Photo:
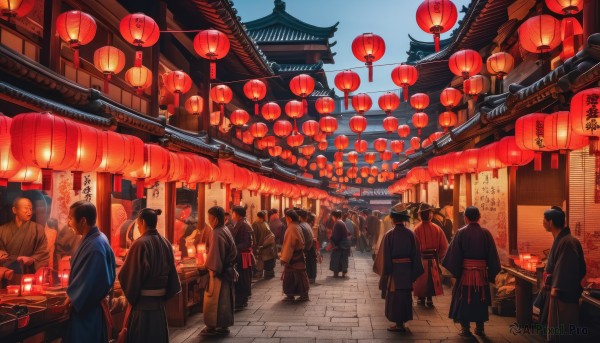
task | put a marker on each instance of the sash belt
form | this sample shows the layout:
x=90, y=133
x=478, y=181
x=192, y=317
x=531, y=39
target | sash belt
x=401, y=260
x=153, y=292
x=474, y=275
x=246, y=260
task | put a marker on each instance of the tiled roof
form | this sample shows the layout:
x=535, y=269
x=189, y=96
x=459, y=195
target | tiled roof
x=288, y=68
x=419, y=50
x=281, y=33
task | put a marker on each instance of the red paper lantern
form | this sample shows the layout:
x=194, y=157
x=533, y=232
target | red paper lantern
x=358, y=124
x=419, y=101
x=511, y=155
x=529, y=134
x=221, y=94
x=540, y=34
x=352, y=172
x=139, y=78
x=465, y=63
x=328, y=124
x=500, y=64
x=488, y=159
x=294, y=109
x=9, y=166
x=15, y=8
x=415, y=143
x=352, y=157
x=177, y=82
x=215, y=119
x=141, y=31
x=435, y=136
x=270, y=111
x=403, y=131
x=325, y=105
x=76, y=28
x=571, y=34
x=425, y=143
x=110, y=61
x=239, y=118
x=467, y=161
x=27, y=175
x=310, y=128
x=386, y=155
x=420, y=120
x=120, y=154
x=585, y=109
x=397, y=146
x=90, y=147
x=247, y=137
x=338, y=156
x=212, y=45
x=369, y=157
x=404, y=76
x=46, y=141
x=435, y=17
x=361, y=146
x=302, y=85
x=307, y=150
x=368, y=48
x=255, y=90
x=312, y=166
x=295, y=140
x=341, y=142
x=388, y=102
x=447, y=120
x=559, y=133
x=156, y=166
x=285, y=154
x=365, y=171
x=380, y=144
x=374, y=171
x=390, y=124
x=267, y=142
x=565, y=7
x=282, y=128
x=418, y=175
x=258, y=130
x=362, y=103
x=476, y=85
x=347, y=81
x=321, y=161
x=450, y=97
x=320, y=137
x=195, y=105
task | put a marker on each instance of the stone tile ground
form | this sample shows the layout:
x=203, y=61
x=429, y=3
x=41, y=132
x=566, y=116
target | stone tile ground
x=340, y=310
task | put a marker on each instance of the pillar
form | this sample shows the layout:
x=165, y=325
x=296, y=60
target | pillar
x=227, y=197
x=103, y=202
x=591, y=18
x=201, y=204
x=160, y=16
x=170, y=202
x=456, y=204
x=50, y=52
x=468, y=189
x=512, y=210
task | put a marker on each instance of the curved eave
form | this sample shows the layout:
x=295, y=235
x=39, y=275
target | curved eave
x=281, y=17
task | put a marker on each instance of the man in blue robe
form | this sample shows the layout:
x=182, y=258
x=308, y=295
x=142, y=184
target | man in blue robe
x=91, y=278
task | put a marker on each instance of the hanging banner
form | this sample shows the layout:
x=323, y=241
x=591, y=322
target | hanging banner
x=155, y=199
x=63, y=195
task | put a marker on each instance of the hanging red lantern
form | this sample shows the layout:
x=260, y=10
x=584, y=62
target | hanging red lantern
x=409, y=151
x=247, y=137
x=450, y=97
x=258, y=130
x=282, y=128
x=294, y=109
x=295, y=140
x=436, y=17
x=405, y=76
x=110, y=61
x=352, y=157
x=27, y=175
x=420, y=120
x=365, y=171
x=369, y=157
x=156, y=162
x=467, y=161
x=310, y=128
x=239, y=118
x=321, y=161
x=388, y=103
x=268, y=142
x=374, y=171
x=338, y=156
x=139, y=78
x=270, y=111
x=511, y=155
x=540, y=34
x=419, y=101
x=418, y=175
x=386, y=155
x=361, y=146
x=328, y=125
x=403, y=131
x=585, y=109
x=302, y=86
x=307, y=150
x=255, y=90
x=90, y=147
x=221, y=94
x=352, y=172
x=347, y=81
x=215, y=118
x=194, y=105
x=380, y=144
x=120, y=154
x=415, y=143
x=465, y=63
x=476, y=85
x=447, y=120
x=500, y=64
x=488, y=159
x=177, y=82
x=76, y=28
x=212, y=45
x=529, y=134
x=368, y=48
x=565, y=7
x=285, y=154
x=358, y=124
x=312, y=166
x=341, y=142
x=390, y=124
x=9, y=166
x=559, y=133
x=397, y=146
x=325, y=105
x=425, y=143
x=571, y=34
x=141, y=31
x=15, y=8
x=320, y=137
x=339, y=172
x=362, y=103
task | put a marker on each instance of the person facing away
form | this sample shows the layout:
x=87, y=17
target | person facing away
x=473, y=259
x=242, y=235
x=265, y=250
x=23, y=240
x=401, y=267
x=310, y=251
x=218, y=305
x=149, y=278
x=91, y=278
x=295, y=279
x=341, y=246
x=565, y=268
x=433, y=247
x=276, y=226
x=350, y=226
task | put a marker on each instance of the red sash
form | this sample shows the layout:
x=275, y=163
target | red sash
x=246, y=260
x=401, y=260
x=474, y=275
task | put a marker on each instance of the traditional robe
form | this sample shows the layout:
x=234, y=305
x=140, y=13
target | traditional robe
x=373, y=225
x=265, y=250
x=28, y=240
x=401, y=267
x=341, y=248
x=242, y=235
x=66, y=242
x=219, y=295
x=276, y=226
x=91, y=278
x=433, y=247
x=564, y=271
x=361, y=241
x=295, y=279
x=473, y=260
x=148, y=279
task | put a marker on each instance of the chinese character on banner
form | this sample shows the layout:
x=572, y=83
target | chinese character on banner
x=156, y=200
x=63, y=195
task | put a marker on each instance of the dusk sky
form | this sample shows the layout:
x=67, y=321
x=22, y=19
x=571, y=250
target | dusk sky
x=393, y=20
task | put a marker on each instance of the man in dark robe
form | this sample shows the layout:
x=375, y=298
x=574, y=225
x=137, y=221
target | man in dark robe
x=218, y=305
x=373, y=225
x=149, y=278
x=295, y=280
x=23, y=240
x=242, y=235
x=559, y=299
x=91, y=278
x=401, y=267
x=473, y=260
x=341, y=246
x=362, y=244
x=264, y=247
x=276, y=226
x=310, y=251
x=433, y=247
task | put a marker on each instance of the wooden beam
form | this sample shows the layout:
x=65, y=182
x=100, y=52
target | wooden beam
x=170, y=202
x=103, y=202
x=512, y=210
x=50, y=51
x=201, y=204
x=159, y=14
x=468, y=189
x=456, y=204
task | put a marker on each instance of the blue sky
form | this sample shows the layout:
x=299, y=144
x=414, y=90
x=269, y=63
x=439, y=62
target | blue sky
x=391, y=19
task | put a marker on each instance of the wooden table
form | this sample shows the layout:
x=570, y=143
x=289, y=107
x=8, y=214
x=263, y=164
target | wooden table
x=524, y=287
x=190, y=298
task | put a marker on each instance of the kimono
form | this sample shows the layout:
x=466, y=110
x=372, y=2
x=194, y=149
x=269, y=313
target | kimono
x=373, y=225
x=91, y=278
x=564, y=271
x=433, y=247
x=401, y=267
x=341, y=248
x=310, y=251
x=217, y=307
x=148, y=279
x=264, y=248
x=242, y=235
x=28, y=240
x=295, y=279
x=473, y=260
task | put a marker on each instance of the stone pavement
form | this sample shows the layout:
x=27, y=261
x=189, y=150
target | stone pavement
x=339, y=310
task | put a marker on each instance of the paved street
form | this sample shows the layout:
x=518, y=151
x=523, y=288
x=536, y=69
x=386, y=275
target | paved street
x=340, y=310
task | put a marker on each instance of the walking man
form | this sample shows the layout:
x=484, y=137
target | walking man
x=242, y=235
x=295, y=280
x=310, y=250
x=341, y=246
x=265, y=250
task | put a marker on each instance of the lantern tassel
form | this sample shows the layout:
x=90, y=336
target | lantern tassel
x=139, y=188
x=106, y=79
x=213, y=70
x=419, y=132
x=405, y=92
x=346, y=100
x=75, y=58
x=117, y=183
x=370, y=67
x=76, y=180
x=436, y=40
x=537, y=161
x=3, y=182
x=256, y=108
x=46, y=179
x=138, y=58
x=176, y=102
x=554, y=161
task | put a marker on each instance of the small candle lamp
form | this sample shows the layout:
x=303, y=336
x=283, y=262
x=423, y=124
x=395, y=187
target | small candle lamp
x=64, y=277
x=191, y=251
x=27, y=284
x=13, y=290
x=201, y=254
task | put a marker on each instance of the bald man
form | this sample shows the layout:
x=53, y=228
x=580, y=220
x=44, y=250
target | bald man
x=23, y=240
